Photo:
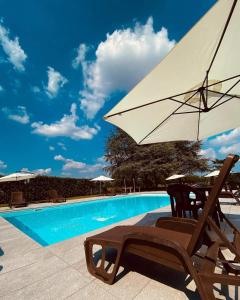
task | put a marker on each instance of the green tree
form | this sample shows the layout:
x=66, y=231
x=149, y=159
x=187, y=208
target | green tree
x=149, y=165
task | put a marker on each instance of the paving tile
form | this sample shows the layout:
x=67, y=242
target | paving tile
x=18, y=246
x=62, y=247
x=4, y=223
x=91, y=292
x=13, y=262
x=156, y=290
x=81, y=267
x=126, y=287
x=9, y=233
x=69, y=254
x=58, y=286
x=27, y=275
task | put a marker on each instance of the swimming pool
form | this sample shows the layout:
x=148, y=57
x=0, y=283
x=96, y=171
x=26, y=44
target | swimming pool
x=53, y=224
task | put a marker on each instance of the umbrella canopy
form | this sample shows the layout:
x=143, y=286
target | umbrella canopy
x=18, y=176
x=175, y=176
x=102, y=178
x=213, y=174
x=194, y=92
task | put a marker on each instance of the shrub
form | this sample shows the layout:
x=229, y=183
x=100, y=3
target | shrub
x=36, y=189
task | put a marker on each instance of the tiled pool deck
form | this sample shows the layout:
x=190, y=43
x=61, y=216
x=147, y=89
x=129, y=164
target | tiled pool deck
x=30, y=271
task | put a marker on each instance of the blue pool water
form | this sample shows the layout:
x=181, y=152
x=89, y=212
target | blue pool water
x=54, y=224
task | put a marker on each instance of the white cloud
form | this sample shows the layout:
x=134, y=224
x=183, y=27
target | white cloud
x=59, y=157
x=66, y=126
x=55, y=82
x=235, y=148
x=81, y=54
x=35, y=89
x=101, y=159
x=208, y=153
x=62, y=145
x=70, y=164
x=43, y=171
x=51, y=148
x=81, y=167
x=2, y=165
x=123, y=59
x=38, y=171
x=15, y=54
x=19, y=114
x=226, y=137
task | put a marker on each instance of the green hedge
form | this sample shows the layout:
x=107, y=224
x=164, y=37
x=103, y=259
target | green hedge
x=36, y=189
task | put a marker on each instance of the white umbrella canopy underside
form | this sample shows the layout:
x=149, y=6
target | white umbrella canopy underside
x=165, y=105
x=102, y=178
x=18, y=176
x=213, y=173
x=175, y=176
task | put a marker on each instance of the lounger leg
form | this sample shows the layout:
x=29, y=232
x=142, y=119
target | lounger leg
x=100, y=272
x=203, y=289
x=208, y=290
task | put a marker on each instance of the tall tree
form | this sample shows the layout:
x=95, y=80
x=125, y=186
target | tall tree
x=150, y=164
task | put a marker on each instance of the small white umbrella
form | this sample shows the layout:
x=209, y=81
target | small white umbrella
x=101, y=179
x=18, y=176
x=213, y=174
x=175, y=176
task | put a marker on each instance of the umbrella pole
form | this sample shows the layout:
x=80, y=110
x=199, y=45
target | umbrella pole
x=125, y=188
x=134, y=185
x=100, y=187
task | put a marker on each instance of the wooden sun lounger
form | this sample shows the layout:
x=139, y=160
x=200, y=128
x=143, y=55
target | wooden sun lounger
x=17, y=199
x=54, y=197
x=173, y=242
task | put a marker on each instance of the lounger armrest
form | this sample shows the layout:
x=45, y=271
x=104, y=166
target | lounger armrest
x=155, y=240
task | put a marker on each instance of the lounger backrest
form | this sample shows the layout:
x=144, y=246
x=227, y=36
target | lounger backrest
x=210, y=204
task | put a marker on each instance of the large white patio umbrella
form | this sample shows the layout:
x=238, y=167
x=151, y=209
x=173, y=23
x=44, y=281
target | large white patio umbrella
x=101, y=179
x=194, y=92
x=18, y=176
x=175, y=176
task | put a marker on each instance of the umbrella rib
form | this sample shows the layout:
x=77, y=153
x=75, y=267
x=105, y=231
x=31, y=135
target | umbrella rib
x=167, y=98
x=224, y=94
x=187, y=104
x=168, y=117
x=224, y=80
x=186, y=112
x=224, y=102
x=153, y=102
x=221, y=39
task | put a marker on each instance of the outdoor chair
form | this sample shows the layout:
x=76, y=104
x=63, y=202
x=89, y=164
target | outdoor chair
x=189, y=199
x=17, y=199
x=173, y=242
x=183, y=199
x=54, y=197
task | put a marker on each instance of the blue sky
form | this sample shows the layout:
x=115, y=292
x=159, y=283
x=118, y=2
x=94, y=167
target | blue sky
x=64, y=64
